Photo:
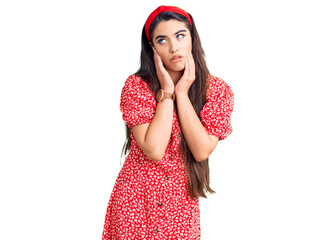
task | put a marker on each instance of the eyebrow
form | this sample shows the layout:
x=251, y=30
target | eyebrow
x=163, y=36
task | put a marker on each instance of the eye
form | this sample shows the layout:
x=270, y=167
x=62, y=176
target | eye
x=180, y=36
x=161, y=41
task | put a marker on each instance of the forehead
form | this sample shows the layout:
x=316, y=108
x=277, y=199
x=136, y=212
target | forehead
x=169, y=27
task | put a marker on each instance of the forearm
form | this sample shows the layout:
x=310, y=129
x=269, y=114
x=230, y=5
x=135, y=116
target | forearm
x=159, y=130
x=197, y=138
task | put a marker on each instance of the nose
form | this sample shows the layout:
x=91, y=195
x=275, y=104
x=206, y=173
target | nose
x=173, y=46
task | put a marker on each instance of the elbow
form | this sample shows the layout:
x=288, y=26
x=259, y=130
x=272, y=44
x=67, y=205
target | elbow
x=155, y=156
x=153, y=153
x=201, y=158
x=203, y=152
x=206, y=152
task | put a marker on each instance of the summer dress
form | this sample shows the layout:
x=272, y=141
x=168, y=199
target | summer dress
x=150, y=199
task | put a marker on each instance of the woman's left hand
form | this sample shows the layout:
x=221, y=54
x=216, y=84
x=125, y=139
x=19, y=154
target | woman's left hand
x=188, y=76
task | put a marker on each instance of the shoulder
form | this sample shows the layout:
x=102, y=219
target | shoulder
x=135, y=81
x=136, y=87
x=217, y=86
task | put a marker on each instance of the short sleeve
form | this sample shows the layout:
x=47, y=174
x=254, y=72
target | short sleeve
x=137, y=102
x=216, y=112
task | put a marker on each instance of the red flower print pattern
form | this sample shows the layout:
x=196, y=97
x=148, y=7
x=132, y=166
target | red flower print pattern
x=150, y=199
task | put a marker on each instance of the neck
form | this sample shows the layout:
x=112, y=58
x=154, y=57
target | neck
x=175, y=76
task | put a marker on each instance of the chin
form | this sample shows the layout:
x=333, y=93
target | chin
x=177, y=67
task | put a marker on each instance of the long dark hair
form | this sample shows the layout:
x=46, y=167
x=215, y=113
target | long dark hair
x=198, y=172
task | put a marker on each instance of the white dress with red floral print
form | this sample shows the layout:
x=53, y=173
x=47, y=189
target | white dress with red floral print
x=150, y=199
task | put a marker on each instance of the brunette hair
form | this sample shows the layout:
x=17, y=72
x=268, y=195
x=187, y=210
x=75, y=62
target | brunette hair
x=198, y=172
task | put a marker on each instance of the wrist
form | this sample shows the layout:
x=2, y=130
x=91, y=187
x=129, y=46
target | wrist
x=181, y=93
x=169, y=90
x=164, y=94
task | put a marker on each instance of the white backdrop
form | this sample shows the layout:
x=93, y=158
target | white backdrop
x=63, y=64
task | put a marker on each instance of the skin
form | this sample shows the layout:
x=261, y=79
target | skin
x=171, y=38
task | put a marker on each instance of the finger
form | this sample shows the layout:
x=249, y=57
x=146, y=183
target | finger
x=192, y=63
x=187, y=66
x=157, y=59
x=186, y=69
x=191, y=59
x=160, y=69
x=154, y=53
x=154, y=50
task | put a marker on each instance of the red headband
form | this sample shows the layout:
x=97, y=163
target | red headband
x=161, y=9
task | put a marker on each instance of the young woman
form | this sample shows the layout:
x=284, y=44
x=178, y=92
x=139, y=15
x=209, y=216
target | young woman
x=175, y=113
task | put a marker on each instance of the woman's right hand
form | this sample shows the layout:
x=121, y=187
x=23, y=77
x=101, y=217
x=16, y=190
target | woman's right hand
x=165, y=80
